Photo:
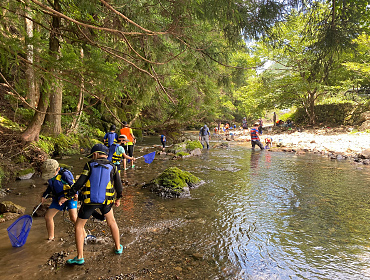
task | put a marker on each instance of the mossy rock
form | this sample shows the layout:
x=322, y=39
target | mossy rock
x=192, y=145
x=177, y=148
x=173, y=182
x=185, y=147
x=25, y=174
x=182, y=154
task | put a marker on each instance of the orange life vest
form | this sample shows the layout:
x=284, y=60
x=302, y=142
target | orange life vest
x=126, y=131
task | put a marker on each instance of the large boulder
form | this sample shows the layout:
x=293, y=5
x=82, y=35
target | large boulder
x=185, y=148
x=173, y=183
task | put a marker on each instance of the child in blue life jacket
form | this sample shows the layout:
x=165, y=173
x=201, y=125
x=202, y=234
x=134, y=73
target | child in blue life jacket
x=163, y=141
x=59, y=180
x=111, y=136
x=103, y=188
x=117, y=152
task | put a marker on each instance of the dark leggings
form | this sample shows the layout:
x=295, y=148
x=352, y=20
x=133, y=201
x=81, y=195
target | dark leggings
x=129, y=150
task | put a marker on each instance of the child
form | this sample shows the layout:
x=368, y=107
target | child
x=102, y=182
x=59, y=179
x=111, y=136
x=255, y=140
x=268, y=142
x=163, y=141
x=131, y=140
x=117, y=152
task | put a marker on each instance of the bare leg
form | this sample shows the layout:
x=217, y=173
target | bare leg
x=73, y=217
x=49, y=219
x=111, y=221
x=79, y=235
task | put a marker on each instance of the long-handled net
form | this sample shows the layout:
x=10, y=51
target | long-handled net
x=18, y=231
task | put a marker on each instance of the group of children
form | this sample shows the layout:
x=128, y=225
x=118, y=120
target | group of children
x=98, y=187
x=126, y=139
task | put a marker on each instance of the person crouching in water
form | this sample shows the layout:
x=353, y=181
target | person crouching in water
x=117, y=152
x=255, y=140
x=101, y=180
x=59, y=180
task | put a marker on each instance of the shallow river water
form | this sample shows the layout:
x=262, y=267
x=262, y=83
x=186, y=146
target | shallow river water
x=259, y=215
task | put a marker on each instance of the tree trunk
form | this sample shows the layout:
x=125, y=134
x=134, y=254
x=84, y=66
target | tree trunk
x=32, y=131
x=30, y=73
x=310, y=107
x=80, y=104
x=53, y=121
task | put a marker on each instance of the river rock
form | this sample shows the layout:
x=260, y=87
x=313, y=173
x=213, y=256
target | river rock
x=26, y=176
x=196, y=152
x=365, y=116
x=41, y=211
x=173, y=183
x=10, y=216
x=8, y=206
x=365, y=154
x=365, y=126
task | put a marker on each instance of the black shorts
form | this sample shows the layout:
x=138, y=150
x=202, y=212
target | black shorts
x=129, y=150
x=86, y=210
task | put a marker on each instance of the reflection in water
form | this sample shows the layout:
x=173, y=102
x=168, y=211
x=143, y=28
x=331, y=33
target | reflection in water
x=260, y=215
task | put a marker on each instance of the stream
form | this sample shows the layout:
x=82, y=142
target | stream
x=259, y=215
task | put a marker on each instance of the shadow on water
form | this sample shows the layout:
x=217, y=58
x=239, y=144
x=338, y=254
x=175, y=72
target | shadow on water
x=260, y=215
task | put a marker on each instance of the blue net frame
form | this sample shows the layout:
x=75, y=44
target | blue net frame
x=18, y=231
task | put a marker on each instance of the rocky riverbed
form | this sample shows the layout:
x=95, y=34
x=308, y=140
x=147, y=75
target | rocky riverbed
x=336, y=143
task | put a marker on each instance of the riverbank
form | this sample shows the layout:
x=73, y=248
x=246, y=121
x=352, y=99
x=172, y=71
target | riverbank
x=336, y=143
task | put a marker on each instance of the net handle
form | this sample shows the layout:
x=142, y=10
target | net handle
x=38, y=206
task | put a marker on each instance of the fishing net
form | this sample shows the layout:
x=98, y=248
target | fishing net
x=18, y=231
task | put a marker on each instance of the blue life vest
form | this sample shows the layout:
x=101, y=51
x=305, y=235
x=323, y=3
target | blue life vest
x=111, y=138
x=61, y=182
x=112, y=156
x=99, y=187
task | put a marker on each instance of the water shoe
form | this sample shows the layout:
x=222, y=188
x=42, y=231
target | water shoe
x=119, y=251
x=76, y=261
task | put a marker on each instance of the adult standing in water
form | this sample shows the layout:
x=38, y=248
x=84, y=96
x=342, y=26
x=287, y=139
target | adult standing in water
x=131, y=140
x=204, y=136
x=260, y=122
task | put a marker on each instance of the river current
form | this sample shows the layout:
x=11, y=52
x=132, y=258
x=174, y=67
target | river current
x=259, y=215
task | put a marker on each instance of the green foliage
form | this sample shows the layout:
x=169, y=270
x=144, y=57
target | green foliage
x=63, y=144
x=46, y=144
x=329, y=114
x=175, y=178
x=288, y=116
x=5, y=122
x=172, y=67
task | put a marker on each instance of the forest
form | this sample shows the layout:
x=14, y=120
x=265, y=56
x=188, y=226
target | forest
x=75, y=67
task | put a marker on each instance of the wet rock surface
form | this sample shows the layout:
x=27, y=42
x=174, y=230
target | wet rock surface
x=173, y=183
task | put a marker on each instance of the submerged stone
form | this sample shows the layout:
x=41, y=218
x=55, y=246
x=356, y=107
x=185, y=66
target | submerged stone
x=173, y=182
